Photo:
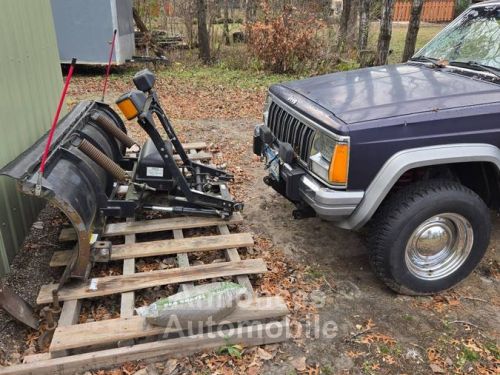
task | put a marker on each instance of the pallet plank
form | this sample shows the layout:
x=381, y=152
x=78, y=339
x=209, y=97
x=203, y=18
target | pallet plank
x=103, y=286
x=36, y=357
x=232, y=254
x=160, y=225
x=127, y=302
x=194, y=146
x=166, y=247
x=109, y=331
x=156, y=225
x=182, y=260
x=70, y=313
x=199, y=156
x=260, y=334
x=67, y=235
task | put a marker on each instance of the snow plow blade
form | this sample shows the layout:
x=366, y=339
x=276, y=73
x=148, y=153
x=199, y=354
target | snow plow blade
x=17, y=307
x=72, y=181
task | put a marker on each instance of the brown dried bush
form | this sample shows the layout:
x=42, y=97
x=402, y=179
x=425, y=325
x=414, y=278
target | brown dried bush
x=283, y=43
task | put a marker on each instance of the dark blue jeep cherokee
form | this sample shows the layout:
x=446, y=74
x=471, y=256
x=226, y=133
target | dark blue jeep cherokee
x=412, y=150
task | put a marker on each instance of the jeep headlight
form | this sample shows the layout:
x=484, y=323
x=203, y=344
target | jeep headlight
x=329, y=159
x=267, y=105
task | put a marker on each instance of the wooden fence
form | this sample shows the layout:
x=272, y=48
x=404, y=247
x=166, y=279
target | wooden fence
x=434, y=10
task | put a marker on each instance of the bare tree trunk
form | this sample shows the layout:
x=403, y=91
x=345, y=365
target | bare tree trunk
x=148, y=37
x=344, y=24
x=203, y=39
x=413, y=28
x=226, y=23
x=138, y=21
x=385, y=35
x=364, y=24
x=352, y=30
x=251, y=11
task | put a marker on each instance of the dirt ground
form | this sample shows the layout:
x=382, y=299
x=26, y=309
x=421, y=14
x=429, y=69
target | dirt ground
x=376, y=331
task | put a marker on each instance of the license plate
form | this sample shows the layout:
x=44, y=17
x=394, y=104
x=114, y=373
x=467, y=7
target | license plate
x=274, y=167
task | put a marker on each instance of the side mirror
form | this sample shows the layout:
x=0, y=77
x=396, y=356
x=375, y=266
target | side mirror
x=144, y=80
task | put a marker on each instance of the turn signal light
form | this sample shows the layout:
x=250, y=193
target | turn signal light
x=128, y=109
x=132, y=104
x=339, y=165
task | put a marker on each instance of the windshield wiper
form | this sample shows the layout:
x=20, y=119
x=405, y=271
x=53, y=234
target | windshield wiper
x=428, y=59
x=477, y=66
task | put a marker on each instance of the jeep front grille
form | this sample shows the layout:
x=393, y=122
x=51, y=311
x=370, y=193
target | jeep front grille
x=286, y=128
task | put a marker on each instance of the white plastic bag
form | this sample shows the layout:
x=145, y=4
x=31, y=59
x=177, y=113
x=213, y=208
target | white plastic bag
x=205, y=302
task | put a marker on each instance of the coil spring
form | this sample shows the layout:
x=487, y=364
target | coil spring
x=109, y=126
x=103, y=161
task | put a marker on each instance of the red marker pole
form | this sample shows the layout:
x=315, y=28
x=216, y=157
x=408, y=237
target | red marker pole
x=108, y=69
x=38, y=188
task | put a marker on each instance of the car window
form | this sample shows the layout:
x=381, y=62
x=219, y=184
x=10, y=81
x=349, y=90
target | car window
x=475, y=37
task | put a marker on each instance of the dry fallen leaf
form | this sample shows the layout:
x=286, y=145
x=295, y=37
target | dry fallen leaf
x=436, y=369
x=264, y=354
x=378, y=337
x=253, y=371
x=299, y=363
x=170, y=366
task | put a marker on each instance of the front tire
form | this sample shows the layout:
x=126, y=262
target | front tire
x=429, y=236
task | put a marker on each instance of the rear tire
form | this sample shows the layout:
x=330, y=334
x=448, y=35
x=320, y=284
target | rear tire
x=429, y=236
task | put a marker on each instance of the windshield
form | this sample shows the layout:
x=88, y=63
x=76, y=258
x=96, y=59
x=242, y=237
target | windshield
x=474, y=37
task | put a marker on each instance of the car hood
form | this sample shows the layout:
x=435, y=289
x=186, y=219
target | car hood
x=392, y=91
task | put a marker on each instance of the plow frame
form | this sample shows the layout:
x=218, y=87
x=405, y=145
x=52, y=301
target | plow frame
x=193, y=196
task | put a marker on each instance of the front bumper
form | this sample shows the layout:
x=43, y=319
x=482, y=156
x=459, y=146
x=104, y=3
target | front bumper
x=328, y=203
x=300, y=187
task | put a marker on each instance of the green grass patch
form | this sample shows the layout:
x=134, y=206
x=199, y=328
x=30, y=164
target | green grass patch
x=493, y=349
x=234, y=351
x=327, y=370
x=425, y=34
x=220, y=75
x=314, y=273
x=467, y=355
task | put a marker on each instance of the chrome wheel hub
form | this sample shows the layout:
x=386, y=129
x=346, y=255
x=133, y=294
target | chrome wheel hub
x=439, y=246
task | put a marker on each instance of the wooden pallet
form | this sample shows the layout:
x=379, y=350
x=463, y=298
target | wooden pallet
x=196, y=152
x=81, y=347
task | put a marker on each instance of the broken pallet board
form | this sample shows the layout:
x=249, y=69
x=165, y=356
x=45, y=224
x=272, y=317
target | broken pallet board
x=166, y=247
x=103, y=286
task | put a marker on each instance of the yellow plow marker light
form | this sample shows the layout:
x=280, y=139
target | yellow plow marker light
x=128, y=108
x=339, y=165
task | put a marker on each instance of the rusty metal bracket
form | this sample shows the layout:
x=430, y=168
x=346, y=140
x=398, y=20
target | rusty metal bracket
x=101, y=251
x=56, y=306
x=46, y=337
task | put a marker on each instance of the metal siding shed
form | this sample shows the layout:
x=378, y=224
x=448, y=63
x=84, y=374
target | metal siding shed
x=30, y=82
x=85, y=28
